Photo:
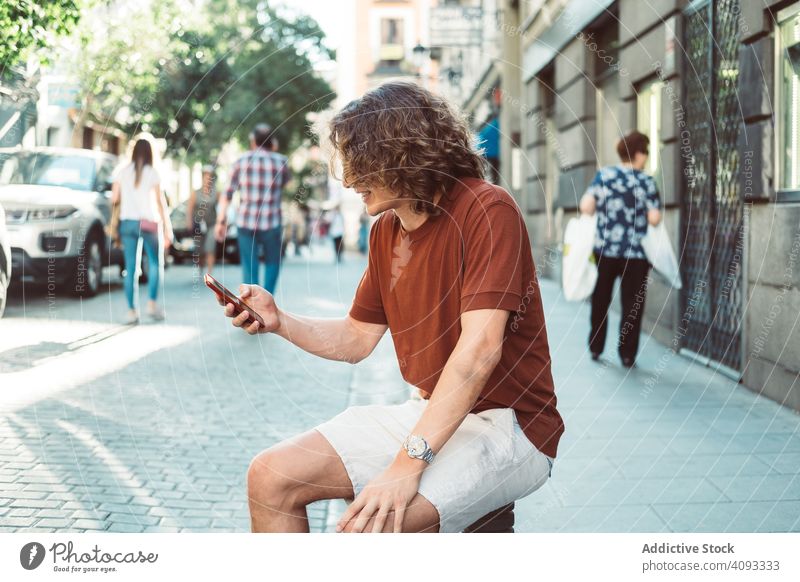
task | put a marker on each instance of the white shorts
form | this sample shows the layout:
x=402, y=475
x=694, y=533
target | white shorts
x=486, y=464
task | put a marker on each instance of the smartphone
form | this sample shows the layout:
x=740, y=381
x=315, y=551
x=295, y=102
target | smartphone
x=228, y=296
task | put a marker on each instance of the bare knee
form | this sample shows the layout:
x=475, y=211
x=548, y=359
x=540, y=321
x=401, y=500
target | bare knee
x=270, y=481
x=297, y=472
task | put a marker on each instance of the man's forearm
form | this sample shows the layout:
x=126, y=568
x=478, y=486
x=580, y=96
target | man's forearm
x=457, y=390
x=333, y=339
x=222, y=215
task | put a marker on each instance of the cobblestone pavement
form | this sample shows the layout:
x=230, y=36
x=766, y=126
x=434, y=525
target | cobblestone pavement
x=110, y=428
x=152, y=428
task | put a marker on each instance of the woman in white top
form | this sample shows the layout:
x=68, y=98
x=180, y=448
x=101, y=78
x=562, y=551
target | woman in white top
x=144, y=221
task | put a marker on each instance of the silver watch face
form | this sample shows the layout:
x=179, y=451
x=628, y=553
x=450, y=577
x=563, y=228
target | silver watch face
x=416, y=446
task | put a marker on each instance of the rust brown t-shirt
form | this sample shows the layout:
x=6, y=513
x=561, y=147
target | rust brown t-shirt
x=474, y=255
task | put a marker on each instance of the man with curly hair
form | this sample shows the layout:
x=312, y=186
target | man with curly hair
x=450, y=274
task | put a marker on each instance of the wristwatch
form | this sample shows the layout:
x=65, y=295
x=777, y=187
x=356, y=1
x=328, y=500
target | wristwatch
x=417, y=448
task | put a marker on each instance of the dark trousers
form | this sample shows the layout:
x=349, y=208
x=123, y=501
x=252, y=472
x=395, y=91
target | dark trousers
x=633, y=289
x=338, y=247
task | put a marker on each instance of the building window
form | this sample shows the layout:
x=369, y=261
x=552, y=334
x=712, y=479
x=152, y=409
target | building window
x=52, y=136
x=789, y=100
x=648, y=120
x=603, y=43
x=552, y=150
x=392, y=50
x=88, y=138
x=391, y=31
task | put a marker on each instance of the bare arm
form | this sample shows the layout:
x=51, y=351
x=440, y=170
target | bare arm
x=345, y=339
x=221, y=227
x=116, y=195
x=654, y=216
x=222, y=211
x=190, y=209
x=588, y=204
x=166, y=223
x=465, y=374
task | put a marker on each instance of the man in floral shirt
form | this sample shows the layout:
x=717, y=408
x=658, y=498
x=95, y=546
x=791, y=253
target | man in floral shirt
x=626, y=201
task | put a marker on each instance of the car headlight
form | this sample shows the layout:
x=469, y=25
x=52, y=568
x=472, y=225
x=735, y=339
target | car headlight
x=51, y=213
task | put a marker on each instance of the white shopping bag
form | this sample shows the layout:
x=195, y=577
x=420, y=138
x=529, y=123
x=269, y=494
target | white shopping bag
x=579, y=272
x=658, y=250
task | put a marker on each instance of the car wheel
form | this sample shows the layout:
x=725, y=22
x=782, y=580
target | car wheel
x=232, y=253
x=88, y=279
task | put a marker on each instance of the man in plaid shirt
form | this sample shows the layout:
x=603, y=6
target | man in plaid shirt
x=259, y=176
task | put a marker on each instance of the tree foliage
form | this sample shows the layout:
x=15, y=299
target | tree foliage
x=26, y=25
x=202, y=79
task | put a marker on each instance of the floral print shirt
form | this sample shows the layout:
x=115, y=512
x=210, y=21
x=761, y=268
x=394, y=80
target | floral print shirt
x=623, y=196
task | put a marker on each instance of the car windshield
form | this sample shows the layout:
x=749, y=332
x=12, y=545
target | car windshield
x=44, y=169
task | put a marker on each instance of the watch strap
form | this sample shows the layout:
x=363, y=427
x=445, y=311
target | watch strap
x=426, y=456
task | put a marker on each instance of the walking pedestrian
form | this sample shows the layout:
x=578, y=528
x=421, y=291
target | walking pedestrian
x=144, y=222
x=489, y=141
x=259, y=176
x=201, y=215
x=296, y=226
x=626, y=201
x=336, y=219
x=450, y=273
x=363, y=233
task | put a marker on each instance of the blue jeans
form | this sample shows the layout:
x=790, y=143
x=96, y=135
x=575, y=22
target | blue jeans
x=132, y=241
x=252, y=243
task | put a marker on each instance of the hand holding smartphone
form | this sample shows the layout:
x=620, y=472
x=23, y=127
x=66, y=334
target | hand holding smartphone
x=226, y=296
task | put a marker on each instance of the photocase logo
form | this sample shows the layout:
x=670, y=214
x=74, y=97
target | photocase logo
x=31, y=555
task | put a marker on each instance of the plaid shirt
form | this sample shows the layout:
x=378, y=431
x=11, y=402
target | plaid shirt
x=259, y=176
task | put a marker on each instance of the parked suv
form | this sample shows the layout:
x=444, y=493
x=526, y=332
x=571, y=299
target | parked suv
x=5, y=262
x=57, y=205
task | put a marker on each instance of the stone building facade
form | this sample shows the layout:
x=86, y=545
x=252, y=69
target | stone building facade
x=716, y=86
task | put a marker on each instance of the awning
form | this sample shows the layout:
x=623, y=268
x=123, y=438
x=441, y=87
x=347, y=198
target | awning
x=577, y=15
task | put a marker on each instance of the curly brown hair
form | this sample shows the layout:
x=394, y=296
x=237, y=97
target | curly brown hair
x=404, y=138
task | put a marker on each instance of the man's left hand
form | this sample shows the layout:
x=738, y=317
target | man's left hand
x=391, y=491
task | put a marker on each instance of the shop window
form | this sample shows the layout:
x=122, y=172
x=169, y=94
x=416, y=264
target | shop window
x=602, y=42
x=648, y=120
x=52, y=136
x=551, y=145
x=88, y=138
x=392, y=48
x=789, y=99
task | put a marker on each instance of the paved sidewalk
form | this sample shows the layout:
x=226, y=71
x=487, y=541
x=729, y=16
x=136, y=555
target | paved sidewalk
x=667, y=446
x=104, y=427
